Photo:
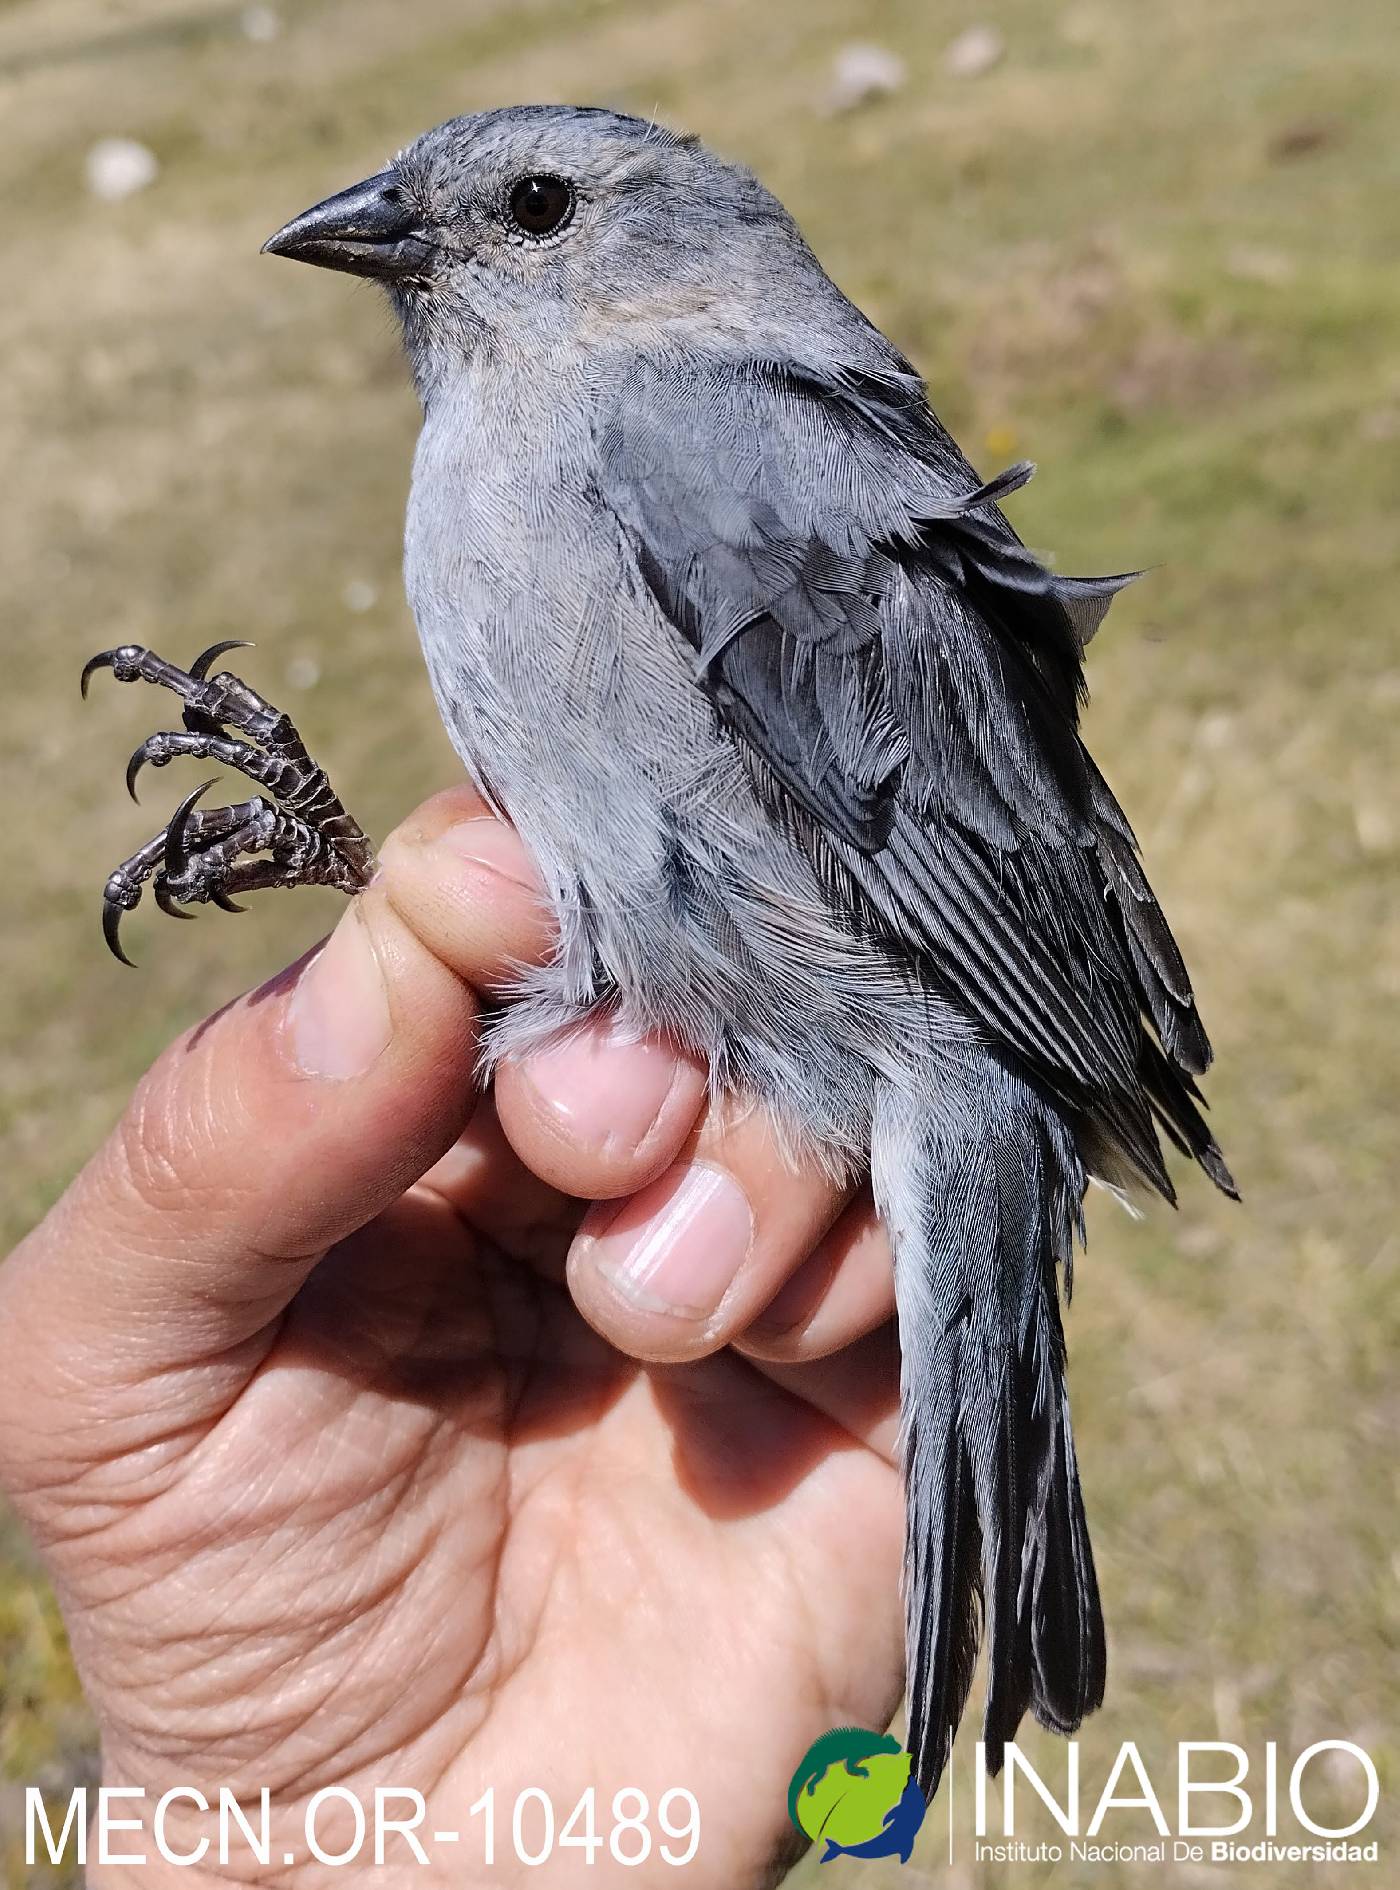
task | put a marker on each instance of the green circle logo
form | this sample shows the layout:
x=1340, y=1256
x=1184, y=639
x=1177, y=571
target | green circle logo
x=855, y=1792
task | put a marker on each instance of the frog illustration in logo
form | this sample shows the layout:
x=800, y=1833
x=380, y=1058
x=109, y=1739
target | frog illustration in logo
x=854, y=1790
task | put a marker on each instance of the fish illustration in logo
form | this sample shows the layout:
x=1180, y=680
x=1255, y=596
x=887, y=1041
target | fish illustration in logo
x=854, y=1792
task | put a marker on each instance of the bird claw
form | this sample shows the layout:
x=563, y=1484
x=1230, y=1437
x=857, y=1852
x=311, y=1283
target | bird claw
x=165, y=899
x=199, y=668
x=111, y=928
x=297, y=834
x=177, y=857
x=122, y=662
x=119, y=895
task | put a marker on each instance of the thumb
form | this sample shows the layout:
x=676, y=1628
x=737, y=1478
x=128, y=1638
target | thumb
x=263, y=1136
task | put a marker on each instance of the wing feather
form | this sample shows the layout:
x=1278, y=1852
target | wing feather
x=905, y=677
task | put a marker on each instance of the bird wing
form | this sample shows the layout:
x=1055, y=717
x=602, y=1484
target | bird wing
x=903, y=678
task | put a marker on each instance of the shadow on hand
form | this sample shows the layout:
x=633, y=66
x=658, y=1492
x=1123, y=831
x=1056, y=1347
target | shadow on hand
x=417, y=1306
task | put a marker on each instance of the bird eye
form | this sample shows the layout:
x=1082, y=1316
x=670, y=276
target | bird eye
x=541, y=205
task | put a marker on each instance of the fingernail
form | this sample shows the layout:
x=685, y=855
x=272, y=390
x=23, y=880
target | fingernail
x=609, y=1090
x=338, y=1017
x=677, y=1245
x=490, y=843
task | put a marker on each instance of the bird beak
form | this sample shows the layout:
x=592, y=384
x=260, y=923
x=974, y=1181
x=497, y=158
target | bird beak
x=368, y=230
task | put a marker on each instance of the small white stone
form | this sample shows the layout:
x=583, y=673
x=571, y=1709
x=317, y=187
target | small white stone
x=1216, y=730
x=861, y=72
x=974, y=52
x=359, y=596
x=119, y=167
x=1375, y=826
x=261, y=23
x=303, y=672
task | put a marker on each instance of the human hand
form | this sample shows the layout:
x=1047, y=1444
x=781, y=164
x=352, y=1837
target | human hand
x=357, y=1462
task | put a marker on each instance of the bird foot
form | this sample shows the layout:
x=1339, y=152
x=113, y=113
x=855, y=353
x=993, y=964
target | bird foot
x=297, y=834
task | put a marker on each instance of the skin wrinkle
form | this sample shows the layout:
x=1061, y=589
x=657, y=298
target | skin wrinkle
x=156, y=1171
x=535, y=1241
x=482, y=1685
x=95, y=1461
x=197, y=1430
x=369, y=1608
x=363, y=1755
x=526, y=1638
x=293, y=1783
x=180, y=1528
x=500, y=1663
x=151, y=1161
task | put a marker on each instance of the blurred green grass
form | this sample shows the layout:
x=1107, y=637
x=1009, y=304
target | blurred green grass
x=1155, y=249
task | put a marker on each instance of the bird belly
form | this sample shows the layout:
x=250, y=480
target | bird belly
x=679, y=905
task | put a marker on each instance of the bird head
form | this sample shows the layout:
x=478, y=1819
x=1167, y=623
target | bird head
x=536, y=227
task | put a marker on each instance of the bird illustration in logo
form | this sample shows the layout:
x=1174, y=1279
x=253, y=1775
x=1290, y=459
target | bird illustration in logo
x=855, y=1791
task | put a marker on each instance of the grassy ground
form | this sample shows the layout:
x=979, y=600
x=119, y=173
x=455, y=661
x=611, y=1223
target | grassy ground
x=1153, y=249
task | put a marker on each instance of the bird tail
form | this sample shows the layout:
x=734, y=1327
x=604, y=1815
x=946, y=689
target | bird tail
x=982, y=1195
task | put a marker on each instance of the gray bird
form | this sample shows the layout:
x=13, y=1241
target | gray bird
x=719, y=616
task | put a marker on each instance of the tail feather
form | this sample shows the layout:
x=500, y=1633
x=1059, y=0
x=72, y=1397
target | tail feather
x=1068, y=1636
x=947, y=1562
x=983, y=1201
